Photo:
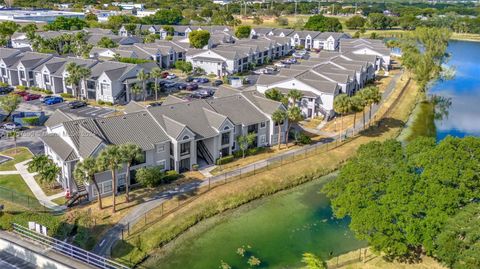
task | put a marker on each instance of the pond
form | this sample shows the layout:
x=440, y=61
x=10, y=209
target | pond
x=277, y=230
x=455, y=110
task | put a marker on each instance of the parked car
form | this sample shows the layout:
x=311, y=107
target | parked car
x=201, y=80
x=77, y=104
x=181, y=85
x=169, y=84
x=165, y=74
x=171, y=76
x=280, y=65
x=191, y=86
x=5, y=90
x=217, y=82
x=189, y=79
x=54, y=100
x=22, y=93
x=45, y=98
x=10, y=126
x=31, y=96
x=155, y=104
x=206, y=92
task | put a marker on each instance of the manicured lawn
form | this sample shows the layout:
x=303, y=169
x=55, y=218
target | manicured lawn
x=21, y=155
x=49, y=189
x=15, y=183
x=60, y=200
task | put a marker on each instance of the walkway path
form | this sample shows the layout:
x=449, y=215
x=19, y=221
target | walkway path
x=104, y=246
x=35, y=188
x=2, y=173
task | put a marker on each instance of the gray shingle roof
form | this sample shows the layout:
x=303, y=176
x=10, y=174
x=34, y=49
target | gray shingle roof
x=132, y=107
x=238, y=109
x=57, y=118
x=60, y=147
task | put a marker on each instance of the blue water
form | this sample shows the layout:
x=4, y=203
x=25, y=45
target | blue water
x=464, y=90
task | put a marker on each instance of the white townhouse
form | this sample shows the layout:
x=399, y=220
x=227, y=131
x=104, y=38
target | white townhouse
x=370, y=47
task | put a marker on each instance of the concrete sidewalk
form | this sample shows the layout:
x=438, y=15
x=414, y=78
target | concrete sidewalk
x=35, y=188
x=9, y=173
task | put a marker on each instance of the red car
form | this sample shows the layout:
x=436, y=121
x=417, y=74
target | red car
x=21, y=93
x=165, y=74
x=31, y=96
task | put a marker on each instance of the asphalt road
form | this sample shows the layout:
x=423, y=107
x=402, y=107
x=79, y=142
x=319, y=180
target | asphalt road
x=87, y=111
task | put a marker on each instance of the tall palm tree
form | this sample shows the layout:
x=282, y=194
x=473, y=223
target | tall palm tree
x=135, y=90
x=111, y=159
x=341, y=105
x=294, y=115
x=156, y=73
x=14, y=134
x=131, y=153
x=85, y=171
x=364, y=96
x=84, y=73
x=278, y=117
x=374, y=97
x=357, y=104
x=294, y=95
x=143, y=77
x=73, y=77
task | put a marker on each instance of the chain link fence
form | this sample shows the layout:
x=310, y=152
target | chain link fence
x=27, y=202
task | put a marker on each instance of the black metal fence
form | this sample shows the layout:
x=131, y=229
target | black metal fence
x=22, y=200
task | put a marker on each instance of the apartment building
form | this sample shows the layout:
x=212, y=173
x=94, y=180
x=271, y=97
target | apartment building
x=174, y=136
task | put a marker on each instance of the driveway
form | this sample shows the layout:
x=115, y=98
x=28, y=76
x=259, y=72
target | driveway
x=27, y=138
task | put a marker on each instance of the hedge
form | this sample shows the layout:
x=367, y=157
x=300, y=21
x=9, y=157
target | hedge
x=66, y=95
x=31, y=120
x=225, y=159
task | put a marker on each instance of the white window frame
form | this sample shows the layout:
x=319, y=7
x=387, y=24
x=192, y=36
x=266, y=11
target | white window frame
x=263, y=139
x=160, y=148
x=264, y=125
x=162, y=162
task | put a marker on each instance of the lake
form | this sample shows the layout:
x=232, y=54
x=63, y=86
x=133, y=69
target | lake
x=461, y=117
x=277, y=230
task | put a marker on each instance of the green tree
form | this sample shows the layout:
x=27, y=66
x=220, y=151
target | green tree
x=37, y=163
x=91, y=17
x=110, y=158
x=355, y=22
x=295, y=95
x=150, y=38
x=156, y=74
x=243, y=31
x=274, y=94
x=106, y=42
x=185, y=67
x=363, y=95
x=136, y=90
x=294, y=115
x=257, y=20
x=28, y=28
x=50, y=172
x=164, y=16
x=457, y=244
x=281, y=21
x=85, y=172
x=63, y=23
x=323, y=24
x=399, y=199
x=408, y=22
x=278, y=117
x=357, y=104
x=372, y=96
x=74, y=78
x=199, y=38
x=143, y=77
x=131, y=154
x=313, y=262
x=7, y=29
x=342, y=106
x=9, y=103
x=245, y=141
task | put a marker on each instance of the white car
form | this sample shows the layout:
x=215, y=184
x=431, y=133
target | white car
x=171, y=76
x=280, y=65
x=9, y=126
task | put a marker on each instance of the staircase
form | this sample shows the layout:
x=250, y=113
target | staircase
x=81, y=192
x=203, y=152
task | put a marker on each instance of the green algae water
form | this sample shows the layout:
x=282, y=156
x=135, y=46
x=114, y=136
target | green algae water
x=277, y=230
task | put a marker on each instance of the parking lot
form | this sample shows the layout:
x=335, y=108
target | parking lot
x=87, y=111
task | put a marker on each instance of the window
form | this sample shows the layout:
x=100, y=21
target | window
x=90, y=84
x=263, y=124
x=225, y=138
x=144, y=159
x=4, y=72
x=121, y=179
x=160, y=148
x=107, y=186
x=22, y=74
x=46, y=78
x=185, y=148
x=171, y=149
x=263, y=139
x=161, y=164
x=253, y=128
x=103, y=87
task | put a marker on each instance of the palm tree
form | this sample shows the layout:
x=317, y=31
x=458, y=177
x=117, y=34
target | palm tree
x=295, y=95
x=156, y=73
x=357, y=104
x=37, y=163
x=364, y=96
x=135, y=90
x=143, y=77
x=85, y=171
x=14, y=134
x=131, y=153
x=374, y=97
x=84, y=73
x=278, y=117
x=73, y=77
x=111, y=159
x=294, y=115
x=341, y=105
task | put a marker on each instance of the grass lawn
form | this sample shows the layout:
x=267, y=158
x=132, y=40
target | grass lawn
x=15, y=183
x=241, y=191
x=60, y=200
x=312, y=123
x=21, y=155
x=13, y=201
x=371, y=260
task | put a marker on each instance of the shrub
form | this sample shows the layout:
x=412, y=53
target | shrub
x=109, y=103
x=48, y=92
x=66, y=95
x=3, y=84
x=170, y=176
x=38, y=89
x=101, y=102
x=21, y=87
x=31, y=120
x=53, y=223
x=225, y=159
x=195, y=167
x=149, y=176
x=304, y=139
